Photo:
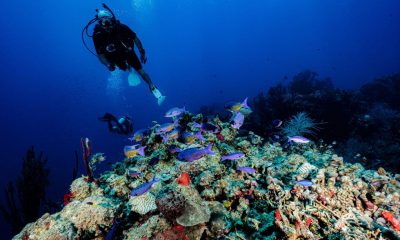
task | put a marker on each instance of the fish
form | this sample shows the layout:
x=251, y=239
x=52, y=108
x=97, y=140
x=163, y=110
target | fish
x=165, y=128
x=237, y=120
x=174, y=112
x=193, y=154
x=112, y=231
x=132, y=173
x=277, y=123
x=232, y=156
x=298, y=139
x=245, y=169
x=206, y=127
x=237, y=106
x=132, y=151
x=139, y=135
x=153, y=161
x=305, y=183
x=172, y=135
x=189, y=137
x=174, y=149
x=142, y=189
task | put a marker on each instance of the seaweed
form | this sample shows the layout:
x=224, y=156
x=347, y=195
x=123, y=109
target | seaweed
x=27, y=195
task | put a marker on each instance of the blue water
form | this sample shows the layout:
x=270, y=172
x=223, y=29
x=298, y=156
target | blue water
x=199, y=52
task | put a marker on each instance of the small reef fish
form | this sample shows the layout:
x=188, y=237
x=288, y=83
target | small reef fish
x=174, y=149
x=111, y=233
x=132, y=173
x=142, y=189
x=206, y=127
x=188, y=137
x=232, y=156
x=298, y=139
x=237, y=120
x=139, y=135
x=174, y=112
x=237, y=106
x=165, y=128
x=183, y=179
x=193, y=154
x=378, y=181
x=245, y=169
x=305, y=183
x=172, y=135
x=132, y=151
x=153, y=161
x=277, y=123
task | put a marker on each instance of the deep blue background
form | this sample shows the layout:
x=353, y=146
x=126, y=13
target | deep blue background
x=199, y=52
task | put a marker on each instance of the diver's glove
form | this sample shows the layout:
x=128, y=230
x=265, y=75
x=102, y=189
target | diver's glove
x=157, y=94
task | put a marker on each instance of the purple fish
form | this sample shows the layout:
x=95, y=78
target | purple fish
x=188, y=137
x=305, y=183
x=174, y=149
x=298, y=139
x=133, y=173
x=232, y=156
x=237, y=120
x=112, y=231
x=139, y=135
x=245, y=169
x=153, y=161
x=165, y=128
x=142, y=189
x=174, y=112
x=277, y=123
x=206, y=127
x=193, y=154
x=132, y=151
x=172, y=135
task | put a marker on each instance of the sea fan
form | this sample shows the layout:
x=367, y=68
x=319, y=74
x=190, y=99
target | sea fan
x=299, y=125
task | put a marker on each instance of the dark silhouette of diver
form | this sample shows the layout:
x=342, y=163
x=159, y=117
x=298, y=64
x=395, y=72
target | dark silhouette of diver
x=123, y=125
x=114, y=43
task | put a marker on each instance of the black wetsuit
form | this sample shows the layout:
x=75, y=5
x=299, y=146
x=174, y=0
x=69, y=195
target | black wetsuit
x=117, y=45
x=120, y=127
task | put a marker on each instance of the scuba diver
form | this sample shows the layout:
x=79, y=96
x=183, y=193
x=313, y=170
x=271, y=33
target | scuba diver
x=123, y=125
x=114, y=43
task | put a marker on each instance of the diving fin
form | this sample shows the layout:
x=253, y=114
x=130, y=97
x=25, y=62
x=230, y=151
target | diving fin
x=160, y=100
x=133, y=78
x=157, y=94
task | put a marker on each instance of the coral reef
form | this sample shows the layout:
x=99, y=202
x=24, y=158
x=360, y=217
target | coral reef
x=272, y=191
x=30, y=191
x=364, y=124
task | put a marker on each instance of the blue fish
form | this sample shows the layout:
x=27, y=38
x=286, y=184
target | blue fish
x=193, y=154
x=305, y=183
x=111, y=233
x=245, y=169
x=153, y=161
x=142, y=189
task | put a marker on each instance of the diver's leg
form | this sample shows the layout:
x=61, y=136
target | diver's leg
x=134, y=62
x=146, y=78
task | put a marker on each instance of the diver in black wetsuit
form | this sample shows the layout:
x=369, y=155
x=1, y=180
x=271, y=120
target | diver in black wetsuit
x=123, y=125
x=114, y=43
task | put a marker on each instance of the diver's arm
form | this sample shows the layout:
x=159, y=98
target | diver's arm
x=139, y=45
